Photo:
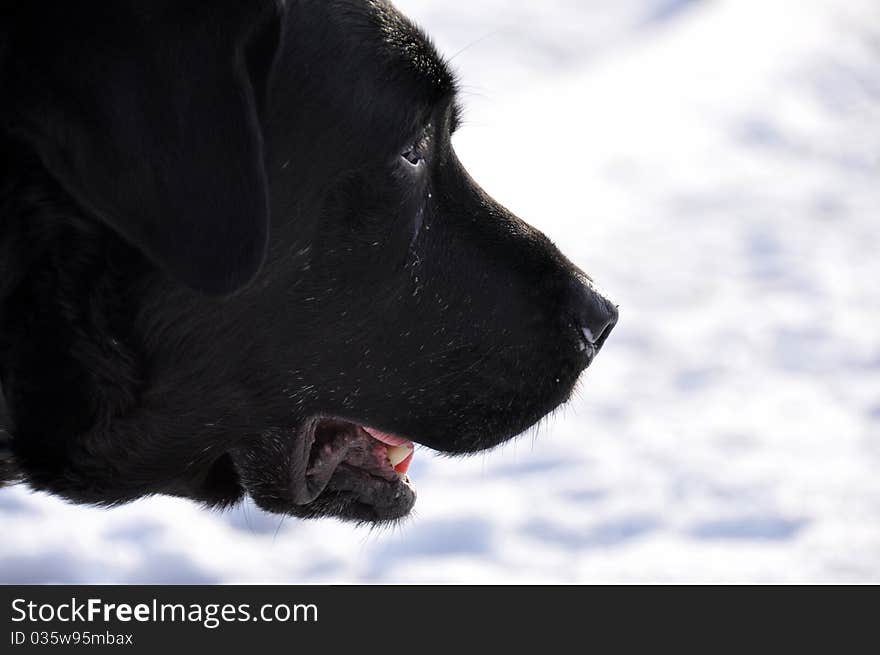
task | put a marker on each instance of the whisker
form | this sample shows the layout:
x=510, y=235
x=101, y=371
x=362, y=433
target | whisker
x=475, y=43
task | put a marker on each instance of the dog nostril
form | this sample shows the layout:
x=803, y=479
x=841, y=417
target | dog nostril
x=594, y=316
x=594, y=335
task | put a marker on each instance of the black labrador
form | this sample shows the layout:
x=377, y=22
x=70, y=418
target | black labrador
x=238, y=255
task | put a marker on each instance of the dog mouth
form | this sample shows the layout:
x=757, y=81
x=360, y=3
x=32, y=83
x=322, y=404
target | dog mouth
x=359, y=471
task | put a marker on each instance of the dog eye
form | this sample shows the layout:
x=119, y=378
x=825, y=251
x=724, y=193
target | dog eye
x=417, y=152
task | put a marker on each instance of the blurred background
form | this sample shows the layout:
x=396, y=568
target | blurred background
x=715, y=166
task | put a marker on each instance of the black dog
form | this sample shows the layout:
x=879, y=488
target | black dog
x=160, y=335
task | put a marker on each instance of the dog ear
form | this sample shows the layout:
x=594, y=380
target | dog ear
x=149, y=115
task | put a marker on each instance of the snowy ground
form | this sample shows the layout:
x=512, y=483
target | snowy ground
x=715, y=165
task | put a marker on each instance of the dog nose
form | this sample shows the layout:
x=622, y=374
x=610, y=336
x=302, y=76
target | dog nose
x=594, y=315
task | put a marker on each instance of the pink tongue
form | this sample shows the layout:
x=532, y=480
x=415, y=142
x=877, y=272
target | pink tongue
x=388, y=439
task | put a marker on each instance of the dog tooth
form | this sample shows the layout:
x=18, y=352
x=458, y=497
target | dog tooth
x=396, y=454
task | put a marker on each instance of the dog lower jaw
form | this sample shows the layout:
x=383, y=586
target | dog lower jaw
x=341, y=469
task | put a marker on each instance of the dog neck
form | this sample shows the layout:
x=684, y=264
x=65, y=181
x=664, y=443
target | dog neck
x=8, y=471
x=55, y=348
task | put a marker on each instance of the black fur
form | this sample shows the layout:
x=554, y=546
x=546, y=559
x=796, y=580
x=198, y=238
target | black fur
x=143, y=152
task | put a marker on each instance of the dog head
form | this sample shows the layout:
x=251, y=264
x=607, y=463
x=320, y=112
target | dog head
x=244, y=259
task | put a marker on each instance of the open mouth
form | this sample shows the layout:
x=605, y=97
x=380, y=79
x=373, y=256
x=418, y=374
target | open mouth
x=359, y=470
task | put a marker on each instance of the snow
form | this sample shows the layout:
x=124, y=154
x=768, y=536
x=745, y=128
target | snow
x=714, y=166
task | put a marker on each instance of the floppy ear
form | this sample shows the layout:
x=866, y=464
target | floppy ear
x=148, y=112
